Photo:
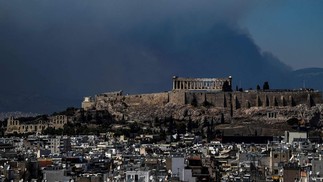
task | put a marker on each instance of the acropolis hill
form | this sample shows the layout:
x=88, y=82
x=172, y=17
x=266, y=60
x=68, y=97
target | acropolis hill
x=206, y=99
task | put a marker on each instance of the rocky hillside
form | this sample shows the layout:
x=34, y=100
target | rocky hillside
x=259, y=120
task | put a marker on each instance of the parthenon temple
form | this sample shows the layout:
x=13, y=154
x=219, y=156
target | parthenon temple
x=201, y=83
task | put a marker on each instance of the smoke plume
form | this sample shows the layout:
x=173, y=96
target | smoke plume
x=52, y=53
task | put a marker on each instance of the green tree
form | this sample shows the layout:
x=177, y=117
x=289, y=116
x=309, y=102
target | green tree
x=209, y=133
x=265, y=86
x=292, y=121
x=170, y=125
x=194, y=101
x=226, y=87
x=189, y=126
x=181, y=128
x=162, y=135
x=134, y=128
x=222, y=118
x=258, y=87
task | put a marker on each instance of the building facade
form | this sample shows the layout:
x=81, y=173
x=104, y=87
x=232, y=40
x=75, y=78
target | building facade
x=37, y=126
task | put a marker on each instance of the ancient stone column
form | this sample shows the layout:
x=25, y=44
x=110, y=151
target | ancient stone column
x=174, y=84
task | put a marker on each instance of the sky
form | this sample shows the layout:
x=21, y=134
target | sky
x=292, y=30
x=55, y=52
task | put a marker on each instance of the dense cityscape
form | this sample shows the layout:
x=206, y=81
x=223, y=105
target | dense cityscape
x=101, y=143
x=161, y=91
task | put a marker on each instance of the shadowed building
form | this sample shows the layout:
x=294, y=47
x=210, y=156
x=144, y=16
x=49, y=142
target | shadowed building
x=36, y=126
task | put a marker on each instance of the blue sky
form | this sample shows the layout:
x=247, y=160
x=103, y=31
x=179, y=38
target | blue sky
x=292, y=30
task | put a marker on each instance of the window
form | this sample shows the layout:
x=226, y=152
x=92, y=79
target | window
x=275, y=156
x=276, y=171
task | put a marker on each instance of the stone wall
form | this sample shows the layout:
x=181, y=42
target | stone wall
x=247, y=99
x=235, y=100
x=177, y=97
x=154, y=99
x=275, y=99
x=195, y=98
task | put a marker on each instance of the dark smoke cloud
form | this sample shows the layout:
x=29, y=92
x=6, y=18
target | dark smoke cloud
x=61, y=50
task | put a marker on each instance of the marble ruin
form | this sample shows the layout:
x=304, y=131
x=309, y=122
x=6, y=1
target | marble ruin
x=216, y=92
x=180, y=83
x=37, y=126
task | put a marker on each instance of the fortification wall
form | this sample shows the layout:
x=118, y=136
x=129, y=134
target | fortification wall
x=154, y=99
x=177, y=97
x=195, y=97
x=217, y=99
x=273, y=99
x=234, y=100
x=317, y=97
x=247, y=99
